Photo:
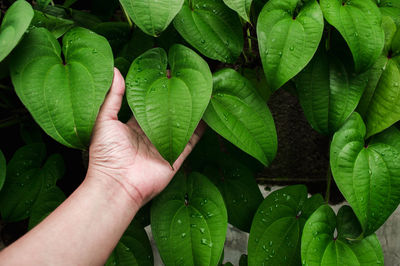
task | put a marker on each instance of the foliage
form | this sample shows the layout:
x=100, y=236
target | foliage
x=220, y=61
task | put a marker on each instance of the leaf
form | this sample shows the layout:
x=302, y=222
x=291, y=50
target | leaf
x=359, y=22
x=320, y=246
x=212, y=28
x=239, y=189
x=367, y=175
x=242, y=7
x=328, y=91
x=116, y=33
x=169, y=103
x=288, y=36
x=152, y=16
x=57, y=26
x=133, y=249
x=23, y=183
x=3, y=169
x=43, y=3
x=45, y=204
x=240, y=115
x=256, y=76
x=189, y=222
x=379, y=104
x=277, y=226
x=64, y=99
x=131, y=50
x=390, y=8
x=15, y=22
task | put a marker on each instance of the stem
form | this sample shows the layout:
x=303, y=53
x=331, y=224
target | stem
x=328, y=184
x=52, y=2
x=294, y=180
x=127, y=17
x=249, y=39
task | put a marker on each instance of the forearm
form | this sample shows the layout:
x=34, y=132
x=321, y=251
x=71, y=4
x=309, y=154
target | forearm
x=82, y=231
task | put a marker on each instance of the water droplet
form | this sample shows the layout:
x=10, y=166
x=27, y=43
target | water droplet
x=256, y=240
x=203, y=41
x=291, y=48
x=193, y=225
x=270, y=243
x=179, y=221
x=202, y=230
x=183, y=235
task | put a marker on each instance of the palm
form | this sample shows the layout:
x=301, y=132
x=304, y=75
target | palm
x=125, y=153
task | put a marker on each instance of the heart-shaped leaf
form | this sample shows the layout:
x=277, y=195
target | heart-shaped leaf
x=329, y=92
x=239, y=189
x=152, y=16
x=320, y=246
x=169, y=103
x=212, y=28
x=45, y=204
x=134, y=248
x=23, y=184
x=242, y=7
x=3, y=169
x=390, y=8
x=288, y=36
x=359, y=22
x=239, y=114
x=15, y=22
x=189, y=222
x=277, y=226
x=367, y=175
x=57, y=26
x=379, y=104
x=66, y=100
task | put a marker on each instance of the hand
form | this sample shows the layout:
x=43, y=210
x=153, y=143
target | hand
x=122, y=152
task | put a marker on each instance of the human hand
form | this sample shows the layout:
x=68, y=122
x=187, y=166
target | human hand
x=122, y=152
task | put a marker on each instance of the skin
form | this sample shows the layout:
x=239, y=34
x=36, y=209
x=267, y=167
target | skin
x=125, y=171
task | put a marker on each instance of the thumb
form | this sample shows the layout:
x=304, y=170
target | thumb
x=112, y=103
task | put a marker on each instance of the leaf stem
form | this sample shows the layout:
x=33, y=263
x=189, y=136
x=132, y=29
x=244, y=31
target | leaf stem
x=328, y=184
x=128, y=19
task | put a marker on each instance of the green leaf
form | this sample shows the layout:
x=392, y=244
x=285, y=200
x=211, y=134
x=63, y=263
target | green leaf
x=152, y=16
x=57, y=26
x=242, y=7
x=189, y=222
x=328, y=91
x=3, y=169
x=288, y=36
x=212, y=28
x=63, y=98
x=239, y=114
x=359, y=22
x=133, y=249
x=367, y=175
x=43, y=3
x=379, y=104
x=277, y=226
x=256, y=76
x=239, y=189
x=169, y=103
x=23, y=183
x=15, y=22
x=131, y=50
x=117, y=34
x=390, y=8
x=45, y=204
x=320, y=246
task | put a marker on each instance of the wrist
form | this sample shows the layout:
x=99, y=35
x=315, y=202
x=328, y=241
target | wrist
x=113, y=189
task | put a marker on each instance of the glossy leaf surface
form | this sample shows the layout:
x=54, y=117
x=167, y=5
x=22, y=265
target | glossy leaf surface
x=242, y=7
x=212, y=28
x=15, y=22
x=152, y=16
x=329, y=92
x=23, y=182
x=57, y=26
x=45, y=204
x=3, y=169
x=390, y=8
x=66, y=100
x=367, y=175
x=238, y=113
x=320, y=245
x=288, y=38
x=277, y=226
x=133, y=249
x=239, y=189
x=359, y=22
x=169, y=103
x=189, y=222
